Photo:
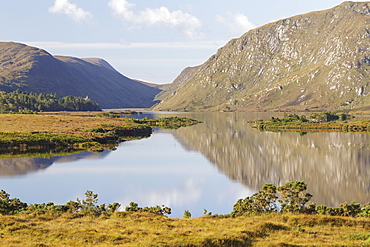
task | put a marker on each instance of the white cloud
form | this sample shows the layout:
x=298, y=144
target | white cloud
x=241, y=21
x=236, y=23
x=183, y=193
x=71, y=10
x=186, y=23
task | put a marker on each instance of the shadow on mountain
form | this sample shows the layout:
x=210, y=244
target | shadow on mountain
x=23, y=166
x=31, y=69
x=336, y=166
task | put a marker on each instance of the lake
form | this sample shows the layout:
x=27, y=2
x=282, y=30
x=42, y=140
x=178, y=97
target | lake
x=206, y=166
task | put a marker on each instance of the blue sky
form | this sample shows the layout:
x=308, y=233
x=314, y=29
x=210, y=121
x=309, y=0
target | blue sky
x=151, y=40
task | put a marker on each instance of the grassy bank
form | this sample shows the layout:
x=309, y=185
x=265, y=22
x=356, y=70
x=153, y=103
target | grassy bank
x=22, y=132
x=302, y=124
x=146, y=229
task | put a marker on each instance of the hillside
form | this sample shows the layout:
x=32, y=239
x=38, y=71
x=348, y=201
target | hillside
x=179, y=80
x=315, y=61
x=34, y=70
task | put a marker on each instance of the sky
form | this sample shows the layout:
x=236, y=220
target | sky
x=149, y=40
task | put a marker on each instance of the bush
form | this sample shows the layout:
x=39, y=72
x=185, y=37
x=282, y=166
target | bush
x=261, y=202
x=365, y=210
x=187, y=214
x=10, y=206
x=351, y=209
x=293, y=196
x=96, y=130
x=159, y=210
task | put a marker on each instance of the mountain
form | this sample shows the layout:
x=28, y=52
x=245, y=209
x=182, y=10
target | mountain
x=315, y=61
x=35, y=70
x=179, y=80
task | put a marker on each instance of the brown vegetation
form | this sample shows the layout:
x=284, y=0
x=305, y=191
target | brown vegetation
x=54, y=123
x=145, y=229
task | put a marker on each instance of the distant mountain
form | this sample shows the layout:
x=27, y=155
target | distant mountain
x=34, y=70
x=315, y=61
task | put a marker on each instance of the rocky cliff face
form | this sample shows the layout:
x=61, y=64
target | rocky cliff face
x=34, y=70
x=319, y=60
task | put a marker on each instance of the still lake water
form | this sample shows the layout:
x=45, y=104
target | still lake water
x=206, y=166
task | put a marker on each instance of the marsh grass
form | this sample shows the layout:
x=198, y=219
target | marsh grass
x=146, y=229
x=20, y=133
x=57, y=123
x=358, y=126
x=58, y=132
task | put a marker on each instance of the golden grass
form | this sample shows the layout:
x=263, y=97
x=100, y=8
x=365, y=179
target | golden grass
x=29, y=132
x=145, y=229
x=27, y=123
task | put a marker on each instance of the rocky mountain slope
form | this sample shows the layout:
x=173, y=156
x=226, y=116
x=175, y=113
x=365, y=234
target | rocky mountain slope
x=34, y=70
x=318, y=60
x=167, y=89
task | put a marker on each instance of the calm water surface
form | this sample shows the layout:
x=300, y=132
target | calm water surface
x=206, y=166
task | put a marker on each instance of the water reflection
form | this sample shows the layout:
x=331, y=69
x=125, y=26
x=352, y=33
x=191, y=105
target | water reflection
x=336, y=166
x=153, y=171
x=206, y=166
x=23, y=166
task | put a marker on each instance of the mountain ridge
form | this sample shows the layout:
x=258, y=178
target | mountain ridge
x=314, y=61
x=31, y=69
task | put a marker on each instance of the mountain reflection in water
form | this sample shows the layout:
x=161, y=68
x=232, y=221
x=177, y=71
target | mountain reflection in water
x=23, y=166
x=336, y=166
x=218, y=161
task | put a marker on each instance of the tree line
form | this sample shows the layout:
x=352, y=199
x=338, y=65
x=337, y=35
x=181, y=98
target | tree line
x=288, y=198
x=23, y=102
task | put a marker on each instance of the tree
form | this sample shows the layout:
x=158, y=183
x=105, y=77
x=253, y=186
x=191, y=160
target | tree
x=89, y=205
x=261, y=202
x=293, y=196
x=19, y=101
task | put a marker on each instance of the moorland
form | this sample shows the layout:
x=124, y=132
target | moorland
x=312, y=62
x=24, y=132
x=254, y=221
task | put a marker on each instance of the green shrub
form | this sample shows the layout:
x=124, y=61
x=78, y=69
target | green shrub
x=159, y=210
x=261, y=202
x=187, y=214
x=365, y=210
x=293, y=196
x=351, y=209
x=10, y=205
x=96, y=130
